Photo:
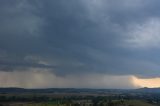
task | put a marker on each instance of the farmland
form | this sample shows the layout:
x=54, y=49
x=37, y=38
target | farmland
x=78, y=97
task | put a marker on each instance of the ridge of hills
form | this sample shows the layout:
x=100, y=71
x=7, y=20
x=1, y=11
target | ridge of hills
x=78, y=90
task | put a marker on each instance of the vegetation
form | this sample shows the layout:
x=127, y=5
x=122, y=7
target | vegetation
x=73, y=97
x=70, y=101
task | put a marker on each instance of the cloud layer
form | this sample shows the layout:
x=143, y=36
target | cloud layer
x=82, y=37
x=145, y=35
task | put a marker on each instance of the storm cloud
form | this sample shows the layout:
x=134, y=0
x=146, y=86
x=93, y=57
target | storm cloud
x=82, y=37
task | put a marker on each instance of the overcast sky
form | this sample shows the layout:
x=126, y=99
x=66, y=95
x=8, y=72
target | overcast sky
x=78, y=43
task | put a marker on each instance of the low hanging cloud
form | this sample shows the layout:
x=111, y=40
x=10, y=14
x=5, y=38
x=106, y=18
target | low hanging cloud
x=37, y=78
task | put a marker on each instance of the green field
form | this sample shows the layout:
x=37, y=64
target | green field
x=126, y=103
x=32, y=104
x=137, y=103
x=43, y=104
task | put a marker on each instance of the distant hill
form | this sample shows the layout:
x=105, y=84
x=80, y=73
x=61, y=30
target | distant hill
x=149, y=90
x=76, y=90
x=61, y=90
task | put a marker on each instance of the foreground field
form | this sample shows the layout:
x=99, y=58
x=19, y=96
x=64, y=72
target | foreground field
x=138, y=103
x=126, y=103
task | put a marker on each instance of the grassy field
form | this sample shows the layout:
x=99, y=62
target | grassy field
x=137, y=103
x=32, y=104
x=43, y=104
x=126, y=103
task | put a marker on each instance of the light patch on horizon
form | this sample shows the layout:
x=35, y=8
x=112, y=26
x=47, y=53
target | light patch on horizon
x=146, y=82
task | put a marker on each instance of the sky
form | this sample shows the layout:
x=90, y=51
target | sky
x=80, y=43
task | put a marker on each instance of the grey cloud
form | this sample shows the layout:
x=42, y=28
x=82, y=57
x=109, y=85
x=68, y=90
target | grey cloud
x=83, y=36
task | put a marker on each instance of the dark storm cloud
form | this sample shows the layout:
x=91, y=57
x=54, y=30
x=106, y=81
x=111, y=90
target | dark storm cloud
x=81, y=36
